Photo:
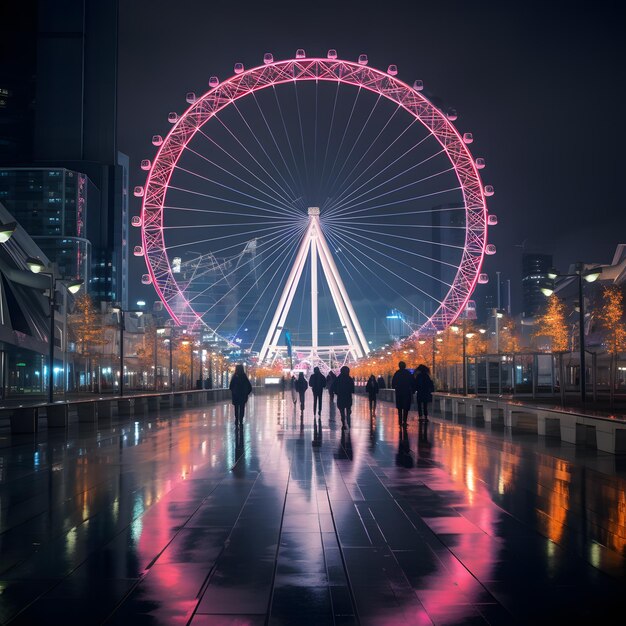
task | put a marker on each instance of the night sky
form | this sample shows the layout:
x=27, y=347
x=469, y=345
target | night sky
x=540, y=86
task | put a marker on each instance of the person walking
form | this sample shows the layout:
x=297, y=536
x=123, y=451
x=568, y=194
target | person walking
x=330, y=381
x=240, y=389
x=381, y=382
x=343, y=388
x=294, y=393
x=404, y=385
x=317, y=382
x=424, y=388
x=372, y=391
x=301, y=387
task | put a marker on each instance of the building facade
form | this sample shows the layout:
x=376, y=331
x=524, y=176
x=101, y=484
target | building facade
x=535, y=269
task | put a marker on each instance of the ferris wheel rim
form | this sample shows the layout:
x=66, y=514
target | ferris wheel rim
x=333, y=71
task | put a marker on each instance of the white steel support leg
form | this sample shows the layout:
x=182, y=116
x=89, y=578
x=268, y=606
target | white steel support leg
x=323, y=246
x=314, y=293
x=289, y=290
x=315, y=243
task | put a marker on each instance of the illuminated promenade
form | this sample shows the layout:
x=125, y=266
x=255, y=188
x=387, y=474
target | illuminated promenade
x=174, y=520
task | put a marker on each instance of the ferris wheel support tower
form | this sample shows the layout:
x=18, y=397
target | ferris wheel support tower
x=314, y=244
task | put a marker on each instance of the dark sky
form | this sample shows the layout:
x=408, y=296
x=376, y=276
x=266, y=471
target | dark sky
x=540, y=85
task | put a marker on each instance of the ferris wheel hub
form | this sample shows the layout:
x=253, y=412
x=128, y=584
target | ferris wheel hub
x=314, y=210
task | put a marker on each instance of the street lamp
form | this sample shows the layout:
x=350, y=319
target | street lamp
x=122, y=323
x=6, y=231
x=590, y=276
x=37, y=266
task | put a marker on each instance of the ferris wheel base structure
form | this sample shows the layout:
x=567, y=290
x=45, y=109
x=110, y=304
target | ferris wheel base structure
x=315, y=247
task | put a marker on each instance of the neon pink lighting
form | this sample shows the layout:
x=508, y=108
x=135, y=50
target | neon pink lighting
x=357, y=74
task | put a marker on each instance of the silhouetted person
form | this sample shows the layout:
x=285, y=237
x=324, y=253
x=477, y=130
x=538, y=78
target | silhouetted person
x=404, y=385
x=371, y=389
x=301, y=387
x=381, y=382
x=294, y=393
x=343, y=388
x=424, y=388
x=240, y=389
x=330, y=381
x=317, y=382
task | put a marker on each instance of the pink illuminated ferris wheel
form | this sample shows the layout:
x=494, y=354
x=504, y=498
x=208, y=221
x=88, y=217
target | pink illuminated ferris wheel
x=226, y=203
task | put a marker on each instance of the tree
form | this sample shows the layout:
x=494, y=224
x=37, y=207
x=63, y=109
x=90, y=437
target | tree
x=552, y=324
x=611, y=317
x=145, y=353
x=88, y=329
x=509, y=340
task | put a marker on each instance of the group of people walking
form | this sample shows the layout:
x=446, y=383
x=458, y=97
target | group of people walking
x=341, y=386
x=404, y=383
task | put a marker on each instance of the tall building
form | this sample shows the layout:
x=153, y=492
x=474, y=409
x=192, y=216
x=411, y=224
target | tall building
x=535, y=268
x=72, y=81
x=52, y=205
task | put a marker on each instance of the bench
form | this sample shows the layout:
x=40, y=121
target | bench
x=86, y=411
x=125, y=407
x=57, y=415
x=24, y=420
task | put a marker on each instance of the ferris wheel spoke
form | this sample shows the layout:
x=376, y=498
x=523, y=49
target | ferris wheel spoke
x=395, y=236
x=229, y=201
x=343, y=137
x=347, y=185
x=288, y=263
x=209, y=239
x=339, y=222
x=354, y=145
x=282, y=192
x=284, y=124
x=404, y=250
x=273, y=136
x=395, y=202
x=330, y=132
x=337, y=243
x=346, y=242
x=229, y=212
x=274, y=246
x=220, y=225
x=348, y=194
x=387, y=215
x=306, y=169
x=350, y=204
x=269, y=159
x=279, y=258
x=278, y=240
x=368, y=241
x=274, y=192
x=267, y=284
x=233, y=189
x=275, y=199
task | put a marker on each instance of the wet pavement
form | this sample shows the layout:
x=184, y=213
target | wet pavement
x=181, y=519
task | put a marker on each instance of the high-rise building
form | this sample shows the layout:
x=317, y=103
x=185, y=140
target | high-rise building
x=52, y=205
x=535, y=268
x=68, y=90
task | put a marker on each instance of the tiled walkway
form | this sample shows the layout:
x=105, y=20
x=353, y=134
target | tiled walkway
x=178, y=520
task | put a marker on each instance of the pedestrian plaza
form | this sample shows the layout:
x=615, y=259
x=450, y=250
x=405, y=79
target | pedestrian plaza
x=180, y=518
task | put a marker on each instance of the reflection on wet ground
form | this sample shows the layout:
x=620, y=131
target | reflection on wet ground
x=183, y=519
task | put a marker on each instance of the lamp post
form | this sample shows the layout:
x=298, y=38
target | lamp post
x=6, y=231
x=36, y=266
x=590, y=276
x=122, y=323
x=159, y=330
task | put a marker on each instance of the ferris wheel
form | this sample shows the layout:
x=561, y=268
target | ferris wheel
x=398, y=204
